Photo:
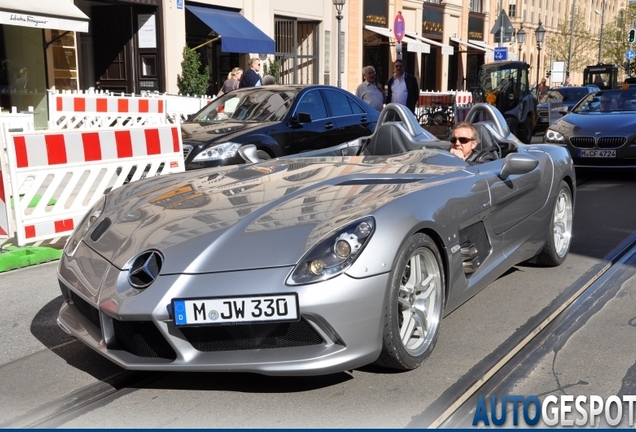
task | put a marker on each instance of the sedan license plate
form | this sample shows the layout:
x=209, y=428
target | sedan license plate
x=236, y=310
x=598, y=153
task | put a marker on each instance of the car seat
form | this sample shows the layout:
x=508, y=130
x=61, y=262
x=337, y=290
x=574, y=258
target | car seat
x=486, y=141
x=388, y=139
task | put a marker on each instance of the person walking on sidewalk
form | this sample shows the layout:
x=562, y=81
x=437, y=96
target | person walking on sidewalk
x=370, y=90
x=251, y=78
x=402, y=87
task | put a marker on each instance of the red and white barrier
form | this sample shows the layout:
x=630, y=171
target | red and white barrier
x=55, y=177
x=90, y=110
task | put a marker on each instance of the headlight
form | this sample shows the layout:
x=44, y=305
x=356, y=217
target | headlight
x=334, y=254
x=552, y=136
x=84, y=226
x=218, y=151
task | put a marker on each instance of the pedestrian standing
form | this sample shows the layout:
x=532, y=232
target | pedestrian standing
x=251, y=77
x=402, y=87
x=370, y=90
x=232, y=81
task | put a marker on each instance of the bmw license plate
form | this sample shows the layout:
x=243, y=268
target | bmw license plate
x=598, y=153
x=236, y=310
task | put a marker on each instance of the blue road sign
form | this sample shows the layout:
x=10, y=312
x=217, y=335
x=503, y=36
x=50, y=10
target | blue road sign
x=629, y=55
x=501, y=53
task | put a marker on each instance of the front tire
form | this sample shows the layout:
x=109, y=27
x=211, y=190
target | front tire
x=263, y=155
x=413, y=309
x=559, y=238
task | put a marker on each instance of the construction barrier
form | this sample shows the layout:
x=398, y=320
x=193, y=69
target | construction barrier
x=554, y=108
x=91, y=110
x=76, y=110
x=54, y=177
x=19, y=123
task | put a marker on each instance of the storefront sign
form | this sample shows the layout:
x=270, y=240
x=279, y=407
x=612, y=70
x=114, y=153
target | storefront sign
x=432, y=19
x=42, y=22
x=376, y=12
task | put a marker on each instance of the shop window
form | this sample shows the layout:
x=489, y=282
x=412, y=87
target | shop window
x=64, y=56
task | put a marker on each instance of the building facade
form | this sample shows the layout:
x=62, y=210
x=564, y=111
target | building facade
x=132, y=46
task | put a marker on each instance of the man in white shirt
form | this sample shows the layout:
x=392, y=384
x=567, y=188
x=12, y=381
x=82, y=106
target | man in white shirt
x=402, y=88
x=371, y=91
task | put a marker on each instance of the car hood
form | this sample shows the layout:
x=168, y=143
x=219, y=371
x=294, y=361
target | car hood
x=196, y=133
x=620, y=124
x=260, y=215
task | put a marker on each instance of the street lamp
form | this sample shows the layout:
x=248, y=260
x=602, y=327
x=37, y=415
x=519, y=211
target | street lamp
x=521, y=39
x=600, y=39
x=539, y=33
x=339, y=4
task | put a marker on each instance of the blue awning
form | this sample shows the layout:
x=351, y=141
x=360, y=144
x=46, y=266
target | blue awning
x=238, y=35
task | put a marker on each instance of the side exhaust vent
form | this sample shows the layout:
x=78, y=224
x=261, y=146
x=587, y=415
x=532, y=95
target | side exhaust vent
x=470, y=258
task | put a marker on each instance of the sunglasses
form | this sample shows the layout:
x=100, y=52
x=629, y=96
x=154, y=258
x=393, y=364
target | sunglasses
x=462, y=140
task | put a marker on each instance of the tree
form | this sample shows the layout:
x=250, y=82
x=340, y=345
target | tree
x=192, y=81
x=615, y=44
x=559, y=43
x=272, y=68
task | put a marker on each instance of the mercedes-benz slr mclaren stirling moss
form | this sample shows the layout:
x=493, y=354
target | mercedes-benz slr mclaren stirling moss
x=316, y=263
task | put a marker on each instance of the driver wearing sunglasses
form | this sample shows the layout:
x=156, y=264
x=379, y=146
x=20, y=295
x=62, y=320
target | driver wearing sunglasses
x=464, y=140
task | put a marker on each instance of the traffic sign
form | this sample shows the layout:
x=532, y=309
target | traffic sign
x=501, y=53
x=399, y=27
x=629, y=55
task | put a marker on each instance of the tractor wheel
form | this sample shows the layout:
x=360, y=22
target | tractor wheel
x=524, y=131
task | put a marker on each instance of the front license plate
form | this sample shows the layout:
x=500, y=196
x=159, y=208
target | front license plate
x=235, y=310
x=598, y=153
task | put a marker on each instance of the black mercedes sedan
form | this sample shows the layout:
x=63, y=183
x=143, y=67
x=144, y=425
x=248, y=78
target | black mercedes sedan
x=600, y=131
x=278, y=119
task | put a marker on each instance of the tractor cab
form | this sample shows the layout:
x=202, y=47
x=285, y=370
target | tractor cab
x=505, y=85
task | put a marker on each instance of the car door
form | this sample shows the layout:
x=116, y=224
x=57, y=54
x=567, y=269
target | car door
x=350, y=119
x=317, y=134
x=519, y=196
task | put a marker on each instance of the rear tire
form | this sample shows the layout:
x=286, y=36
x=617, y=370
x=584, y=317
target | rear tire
x=524, y=131
x=559, y=238
x=413, y=309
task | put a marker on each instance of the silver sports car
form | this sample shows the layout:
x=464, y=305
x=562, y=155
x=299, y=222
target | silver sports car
x=314, y=263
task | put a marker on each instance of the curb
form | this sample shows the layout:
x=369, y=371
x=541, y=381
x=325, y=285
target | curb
x=13, y=257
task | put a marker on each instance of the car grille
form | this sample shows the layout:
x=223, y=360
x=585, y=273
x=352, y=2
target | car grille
x=252, y=336
x=583, y=142
x=143, y=339
x=611, y=142
x=186, y=151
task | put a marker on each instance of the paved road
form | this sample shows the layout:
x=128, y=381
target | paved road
x=48, y=371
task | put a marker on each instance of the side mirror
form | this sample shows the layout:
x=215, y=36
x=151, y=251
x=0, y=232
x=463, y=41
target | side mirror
x=300, y=118
x=249, y=153
x=518, y=163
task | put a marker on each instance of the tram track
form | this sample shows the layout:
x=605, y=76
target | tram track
x=445, y=407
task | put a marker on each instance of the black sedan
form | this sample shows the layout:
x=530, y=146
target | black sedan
x=279, y=119
x=600, y=131
x=569, y=96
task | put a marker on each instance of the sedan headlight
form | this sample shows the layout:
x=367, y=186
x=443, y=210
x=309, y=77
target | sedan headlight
x=84, y=226
x=552, y=136
x=217, y=152
x=334, y=254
